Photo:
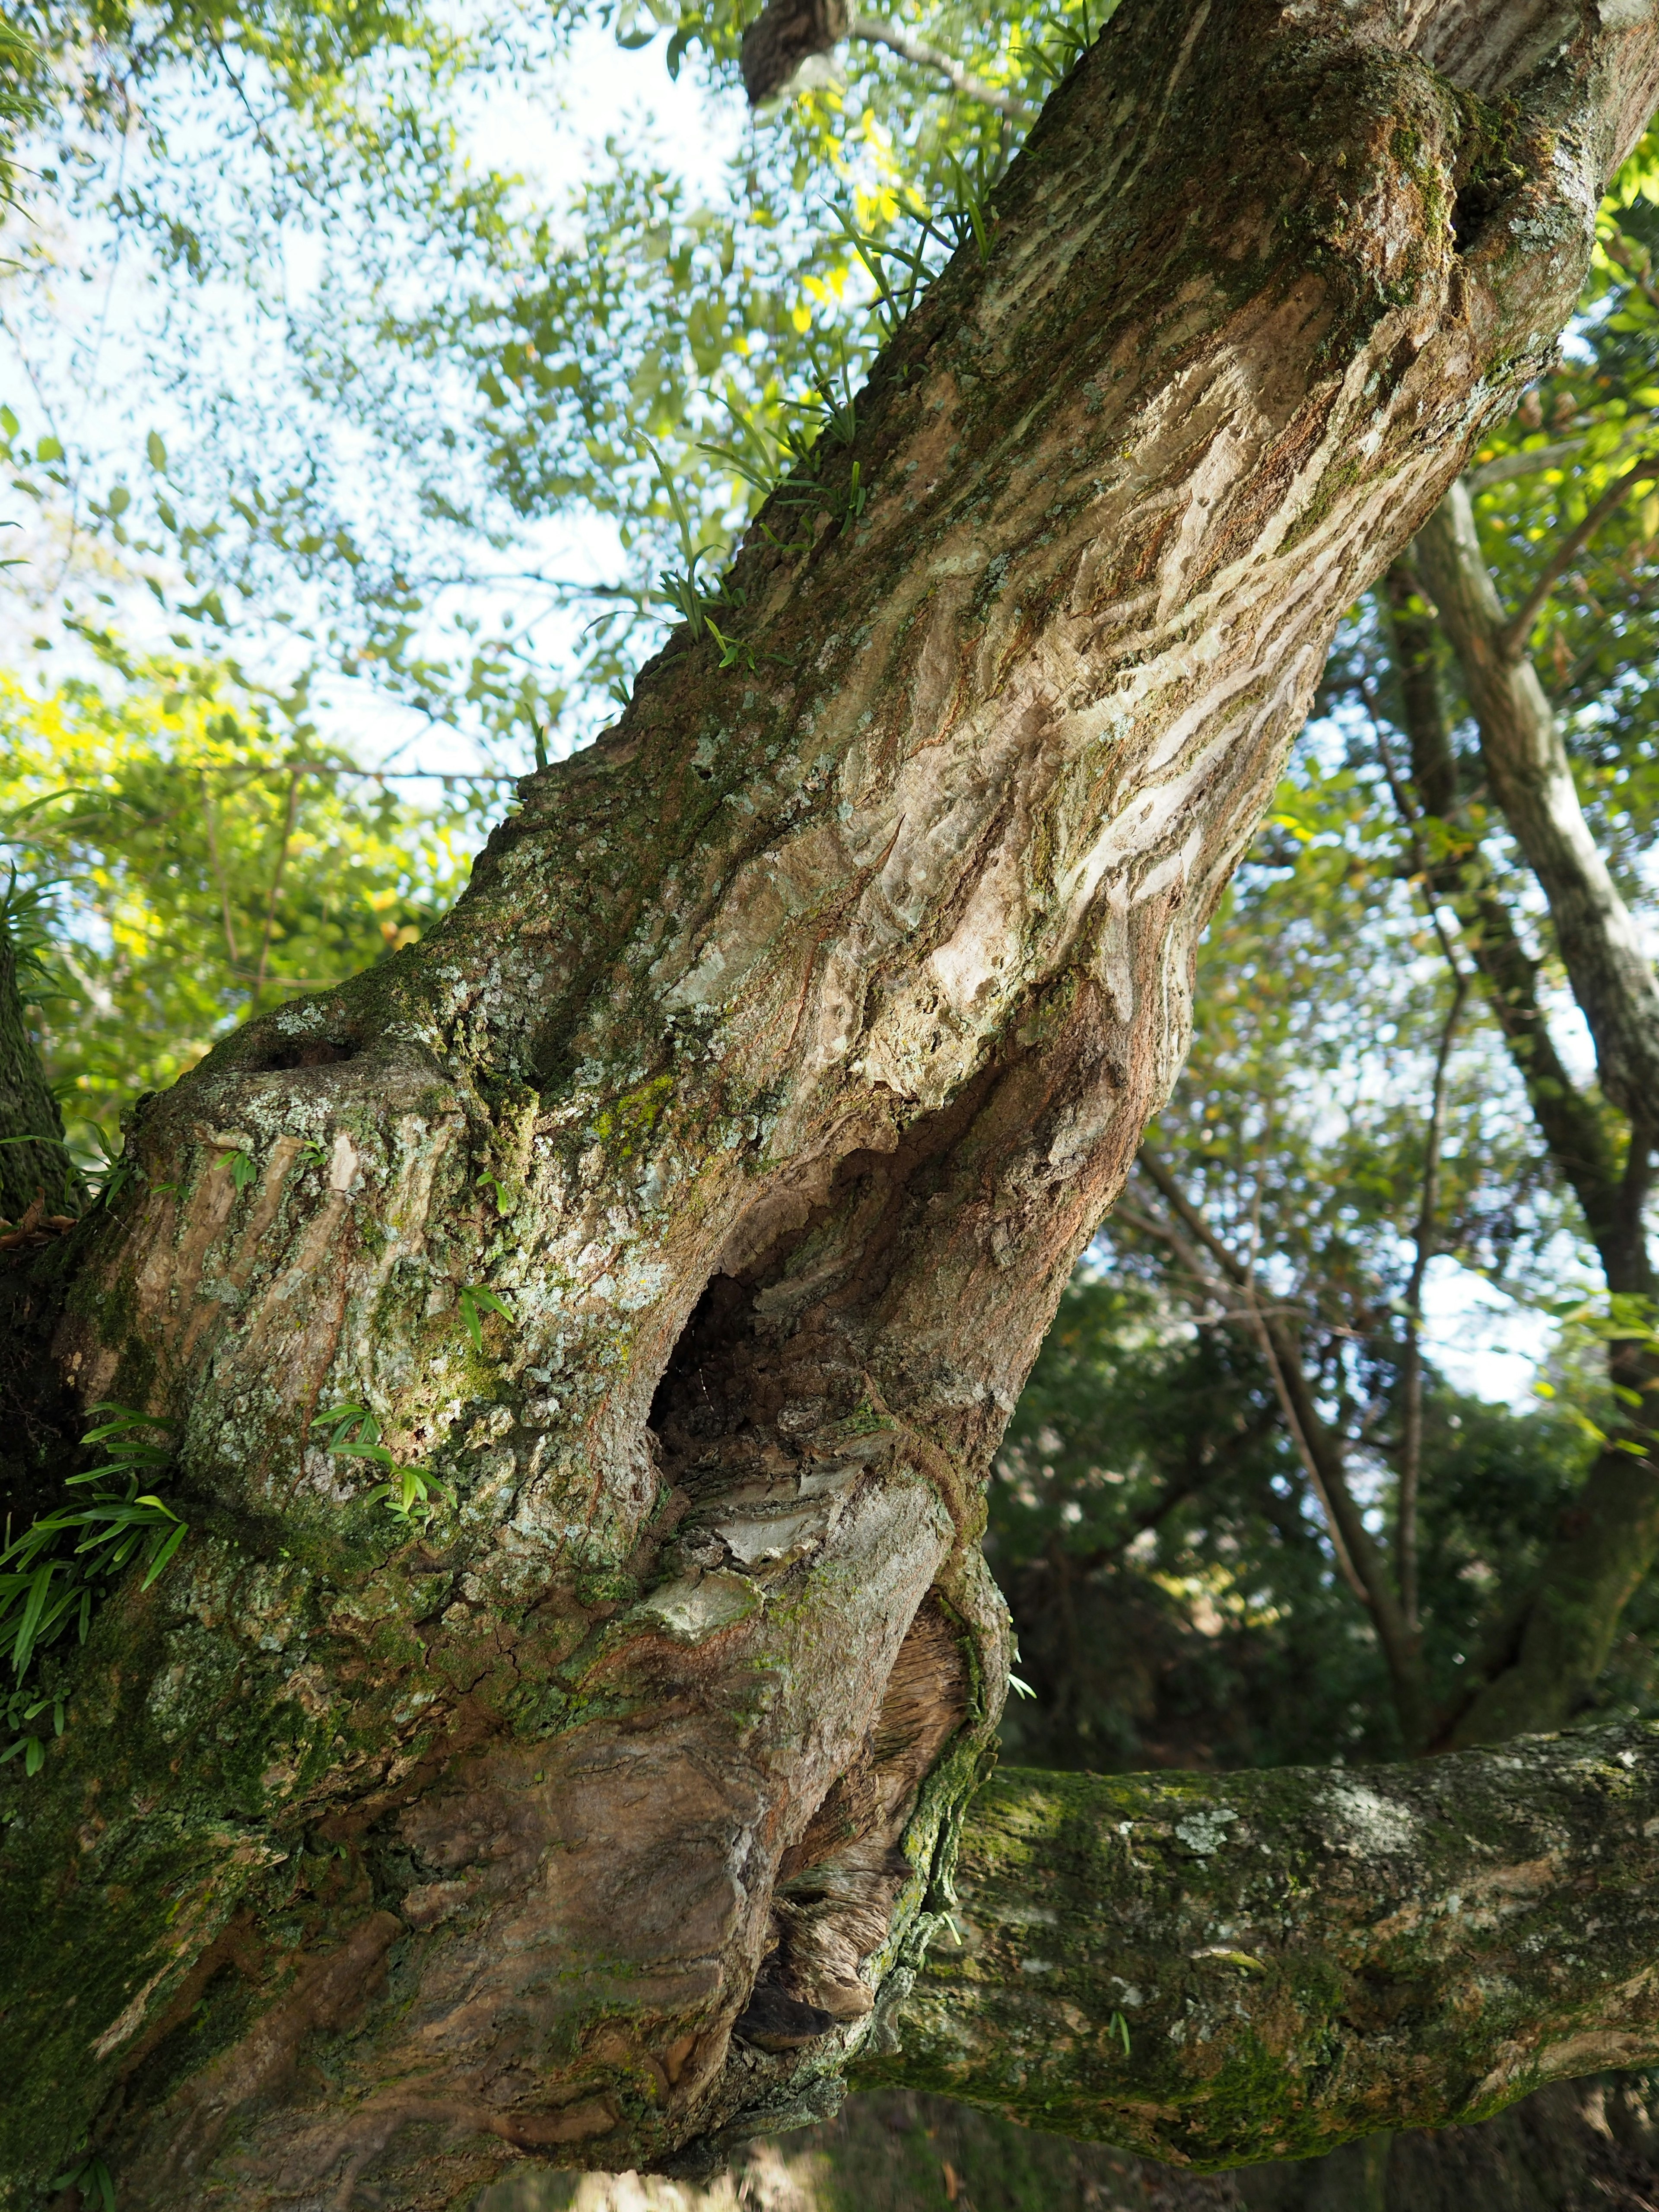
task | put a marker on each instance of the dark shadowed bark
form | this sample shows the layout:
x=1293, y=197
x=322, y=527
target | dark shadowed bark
x=35, y=1170
x=786, y=1047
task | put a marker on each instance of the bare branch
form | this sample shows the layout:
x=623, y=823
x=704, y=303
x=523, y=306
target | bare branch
x=924, y=55
x=1512, y=640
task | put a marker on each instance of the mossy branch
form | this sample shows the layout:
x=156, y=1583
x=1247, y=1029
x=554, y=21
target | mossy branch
x=1298, y=1957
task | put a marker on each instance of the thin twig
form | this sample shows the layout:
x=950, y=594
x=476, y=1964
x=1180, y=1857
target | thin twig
x=1411, y=1372
x=910, y=48
x=1511, y=640
x=1257, y=1321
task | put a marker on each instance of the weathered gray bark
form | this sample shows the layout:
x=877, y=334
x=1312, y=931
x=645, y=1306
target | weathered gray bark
x=785, y=1049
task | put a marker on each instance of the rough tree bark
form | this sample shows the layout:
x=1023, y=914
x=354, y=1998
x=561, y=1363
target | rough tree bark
x=785, y=1050
x=1223, y=1970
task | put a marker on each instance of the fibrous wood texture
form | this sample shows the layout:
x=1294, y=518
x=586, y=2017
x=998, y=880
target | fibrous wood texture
x=785, y=1050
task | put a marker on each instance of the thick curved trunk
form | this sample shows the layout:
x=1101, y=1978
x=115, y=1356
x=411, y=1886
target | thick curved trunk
x=785, y=1049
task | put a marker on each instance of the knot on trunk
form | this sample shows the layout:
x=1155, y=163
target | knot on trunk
x=783, y=37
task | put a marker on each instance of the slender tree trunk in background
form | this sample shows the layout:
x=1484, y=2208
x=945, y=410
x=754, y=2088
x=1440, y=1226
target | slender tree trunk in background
x=1557, y=1641
x=786, y=1047
x=1522, y=750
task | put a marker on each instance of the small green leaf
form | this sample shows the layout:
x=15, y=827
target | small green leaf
x=157, y=453
x=166, y=1553
x=476, y=1301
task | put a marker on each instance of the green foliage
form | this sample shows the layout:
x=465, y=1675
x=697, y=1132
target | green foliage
x=410, y=1492
x=476, y=1301
x=93, y=2178
x=1170, y=1580
x=187, y=856
x=481, y=352
x=65, y=1562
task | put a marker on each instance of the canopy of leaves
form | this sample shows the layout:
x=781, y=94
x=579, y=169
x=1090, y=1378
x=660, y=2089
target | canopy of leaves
x=201, y=856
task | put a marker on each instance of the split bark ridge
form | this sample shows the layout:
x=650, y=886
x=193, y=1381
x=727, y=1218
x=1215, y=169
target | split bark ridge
x=786, y=1047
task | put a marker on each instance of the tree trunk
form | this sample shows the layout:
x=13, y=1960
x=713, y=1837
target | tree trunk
x=1522, y=750
x=786, y=1047
x=1555, y=1643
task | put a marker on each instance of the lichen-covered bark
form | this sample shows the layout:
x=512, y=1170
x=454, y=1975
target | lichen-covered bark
x=786, y=1046
x=1223, y=1970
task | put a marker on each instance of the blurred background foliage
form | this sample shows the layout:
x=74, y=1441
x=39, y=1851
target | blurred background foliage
x=202, y=861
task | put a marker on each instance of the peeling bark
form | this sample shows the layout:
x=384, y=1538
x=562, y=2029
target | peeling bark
x=785, y=1049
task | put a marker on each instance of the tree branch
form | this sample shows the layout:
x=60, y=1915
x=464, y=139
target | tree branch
x=1411, y=1379
x=1549, y=1651
x=1219, y=1970
x=1506, y=467
x=1321, y=1453
x=1512, y=640
x=926, y=56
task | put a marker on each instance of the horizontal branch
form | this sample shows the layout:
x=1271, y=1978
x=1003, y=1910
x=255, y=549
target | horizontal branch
x=1529, y=461
x=1512, y=642
x=1220, y=1969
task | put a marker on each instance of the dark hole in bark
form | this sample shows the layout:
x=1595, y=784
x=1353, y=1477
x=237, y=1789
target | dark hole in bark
x=1472, y=210
x=774, y=2020
x=695, y=1403
x=315, y=1052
